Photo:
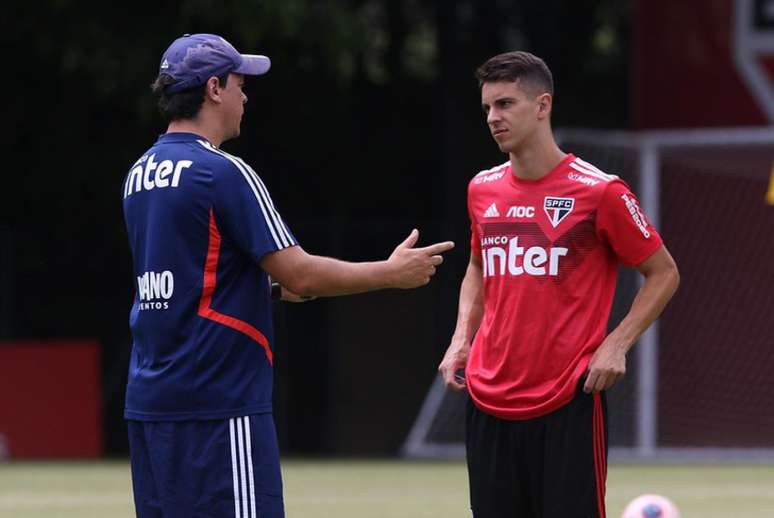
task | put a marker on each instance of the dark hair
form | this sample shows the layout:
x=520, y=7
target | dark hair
x=529, y=70
x=184, y=104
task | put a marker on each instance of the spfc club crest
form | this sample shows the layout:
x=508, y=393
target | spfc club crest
x=557, y=208
x=754, y=49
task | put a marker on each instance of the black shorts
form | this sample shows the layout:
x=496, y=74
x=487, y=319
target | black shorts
x=553, y=466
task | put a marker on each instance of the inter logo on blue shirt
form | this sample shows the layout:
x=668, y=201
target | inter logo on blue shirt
x=199, y=221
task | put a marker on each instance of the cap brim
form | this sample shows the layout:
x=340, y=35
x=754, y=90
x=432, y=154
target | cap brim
x=253, y=65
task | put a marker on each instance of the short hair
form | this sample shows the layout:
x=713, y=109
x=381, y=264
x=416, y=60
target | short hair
x=184, y=104
x=528, y=69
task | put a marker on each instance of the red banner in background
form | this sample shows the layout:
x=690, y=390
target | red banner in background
x=700, y=63
x=50, y=399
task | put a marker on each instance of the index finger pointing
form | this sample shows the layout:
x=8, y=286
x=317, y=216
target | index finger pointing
x=437, y=248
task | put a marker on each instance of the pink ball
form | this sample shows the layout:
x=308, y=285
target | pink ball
x=651, y=506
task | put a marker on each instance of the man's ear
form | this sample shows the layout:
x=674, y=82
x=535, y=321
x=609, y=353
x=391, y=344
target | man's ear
x=212, y=90
x=545, y=103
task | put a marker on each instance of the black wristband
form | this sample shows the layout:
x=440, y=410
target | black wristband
x=276, y=291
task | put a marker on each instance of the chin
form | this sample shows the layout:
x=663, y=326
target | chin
x=504, y=147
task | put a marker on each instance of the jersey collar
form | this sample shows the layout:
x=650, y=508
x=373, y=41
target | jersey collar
x=528, y=184
x=180, y=137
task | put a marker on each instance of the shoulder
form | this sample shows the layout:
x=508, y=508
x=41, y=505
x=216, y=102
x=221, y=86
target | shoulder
x=217, y=158
x=225, y=166
x=609, y=188
x=589, y=175
x=490, y=175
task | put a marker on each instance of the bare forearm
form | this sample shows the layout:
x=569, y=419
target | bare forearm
x=327, y=277
x=608, y=364
x=471, y=305
x=316, y=276
x=469, y=315
x=654, y=294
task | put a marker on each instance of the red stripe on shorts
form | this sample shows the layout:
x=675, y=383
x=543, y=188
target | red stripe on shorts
x=600, y=464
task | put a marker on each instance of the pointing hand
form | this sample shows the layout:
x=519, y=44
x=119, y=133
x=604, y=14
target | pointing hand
x=413, y=267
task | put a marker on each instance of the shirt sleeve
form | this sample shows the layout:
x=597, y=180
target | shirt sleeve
x=622, y=223
x=475, y=238
x=246, y=213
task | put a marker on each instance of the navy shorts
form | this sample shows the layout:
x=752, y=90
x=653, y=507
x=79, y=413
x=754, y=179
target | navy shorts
x=227, y=468
x=553, y=466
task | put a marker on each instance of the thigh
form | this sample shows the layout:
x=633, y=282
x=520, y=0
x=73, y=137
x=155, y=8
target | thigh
x=146, y=497
x=497, y=489
x=259, y=486
x=575, y=460
x=217, y=468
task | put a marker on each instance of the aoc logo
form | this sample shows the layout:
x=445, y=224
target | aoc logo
x=519, y=211
x=557, y=208
x=155, y=289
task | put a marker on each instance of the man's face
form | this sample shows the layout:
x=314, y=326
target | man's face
x=234, y=100
x=511, y=113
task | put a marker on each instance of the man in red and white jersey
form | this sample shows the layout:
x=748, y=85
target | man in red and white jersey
x=548, y=232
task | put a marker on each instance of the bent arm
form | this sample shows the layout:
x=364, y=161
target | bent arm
x=471, y=305
x=661, y=281
x=608, y=364
x=315, y=276
x=469, y=315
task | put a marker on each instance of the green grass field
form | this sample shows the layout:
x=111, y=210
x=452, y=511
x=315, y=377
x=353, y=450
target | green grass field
x=380, y=489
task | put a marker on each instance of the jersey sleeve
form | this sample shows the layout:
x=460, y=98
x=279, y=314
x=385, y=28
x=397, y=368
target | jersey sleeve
x=475, y=238
x=622, y=223
x=246, y=213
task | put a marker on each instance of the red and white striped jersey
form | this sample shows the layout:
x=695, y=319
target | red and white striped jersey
x=550, y=249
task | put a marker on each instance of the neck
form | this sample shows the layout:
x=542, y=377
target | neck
x=535, y=160
x=197, y=127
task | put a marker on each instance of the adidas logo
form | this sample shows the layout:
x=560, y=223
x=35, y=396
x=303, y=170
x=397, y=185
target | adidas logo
x=164, y=65
x=492, y=212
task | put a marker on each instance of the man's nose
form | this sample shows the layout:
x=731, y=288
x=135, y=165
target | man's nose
x=492, y=116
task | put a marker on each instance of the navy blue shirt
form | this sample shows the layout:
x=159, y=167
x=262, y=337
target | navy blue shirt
x=199, y=220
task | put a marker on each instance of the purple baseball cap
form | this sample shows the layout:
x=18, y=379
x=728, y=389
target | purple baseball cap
x=194, y=58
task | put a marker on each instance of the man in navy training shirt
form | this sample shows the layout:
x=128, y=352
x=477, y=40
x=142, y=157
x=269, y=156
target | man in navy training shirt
x=206, y=238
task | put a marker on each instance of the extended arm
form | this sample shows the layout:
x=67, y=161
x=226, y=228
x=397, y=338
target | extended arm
x=608, y=364
x=315, y=276
x=469, y=315
x=289, y=296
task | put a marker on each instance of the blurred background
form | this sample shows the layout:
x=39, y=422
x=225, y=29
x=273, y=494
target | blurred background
x=368, y=125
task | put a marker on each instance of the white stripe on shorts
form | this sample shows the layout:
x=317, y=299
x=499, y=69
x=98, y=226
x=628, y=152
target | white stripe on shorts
x=234, y=469
x=242, y=479
x=242, y=467
x=248, y=444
